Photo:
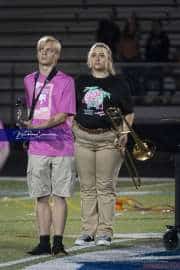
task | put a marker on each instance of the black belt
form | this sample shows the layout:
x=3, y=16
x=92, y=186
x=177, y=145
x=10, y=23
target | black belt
x=93, y=130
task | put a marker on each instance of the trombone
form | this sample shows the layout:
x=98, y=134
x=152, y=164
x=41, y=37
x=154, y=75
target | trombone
x=142, y=149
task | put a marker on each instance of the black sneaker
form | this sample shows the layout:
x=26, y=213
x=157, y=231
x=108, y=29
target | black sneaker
x=59, y=250
x=40, y=250
x=84, y=240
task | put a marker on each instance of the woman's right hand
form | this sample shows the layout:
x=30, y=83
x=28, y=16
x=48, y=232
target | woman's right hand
x=121, y=141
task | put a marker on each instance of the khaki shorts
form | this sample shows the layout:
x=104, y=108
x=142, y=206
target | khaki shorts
x=50, y=175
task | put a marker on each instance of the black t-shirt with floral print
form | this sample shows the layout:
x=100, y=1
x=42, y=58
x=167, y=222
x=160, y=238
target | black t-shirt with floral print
x=95, y=95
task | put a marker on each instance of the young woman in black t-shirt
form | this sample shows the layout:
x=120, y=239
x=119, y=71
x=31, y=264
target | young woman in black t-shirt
x=98, y=160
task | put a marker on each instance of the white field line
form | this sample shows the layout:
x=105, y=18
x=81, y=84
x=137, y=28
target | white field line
x=126, y=237
x=24, y=195
x=153, y=258
x=13, y=178
x=152, y=192
x=138, y=235
x=128, y=179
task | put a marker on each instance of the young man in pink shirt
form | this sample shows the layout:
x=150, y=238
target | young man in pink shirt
x=50, y=98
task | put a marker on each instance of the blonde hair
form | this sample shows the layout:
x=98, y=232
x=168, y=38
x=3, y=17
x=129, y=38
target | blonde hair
x=110, y=65
x=57, y=45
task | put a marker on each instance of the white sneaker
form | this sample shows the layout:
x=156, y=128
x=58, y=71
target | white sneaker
x=103, y=240
x=84, y=240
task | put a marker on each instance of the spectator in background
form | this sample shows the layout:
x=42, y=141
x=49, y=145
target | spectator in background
x=157, y=44
x=129, y=49
x=4, y=147
x=169, y=84
x=176, y=72
x=129, y=52
x=156, y=50
x=108, y=32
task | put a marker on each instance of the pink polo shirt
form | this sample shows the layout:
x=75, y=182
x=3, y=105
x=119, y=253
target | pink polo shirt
x=57, y=96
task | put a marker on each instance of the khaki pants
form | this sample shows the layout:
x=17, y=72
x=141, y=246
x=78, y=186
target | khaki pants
x=98, y=163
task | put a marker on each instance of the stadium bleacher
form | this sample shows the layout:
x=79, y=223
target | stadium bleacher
x=74, y=22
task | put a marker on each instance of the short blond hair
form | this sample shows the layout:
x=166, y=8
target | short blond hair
x=43, y=40
x=110, y=65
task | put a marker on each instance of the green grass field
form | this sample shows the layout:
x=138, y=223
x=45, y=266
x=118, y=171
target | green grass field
x=149, y=211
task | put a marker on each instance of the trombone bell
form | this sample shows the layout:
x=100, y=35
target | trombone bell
x=143, y=153
x=142, y=149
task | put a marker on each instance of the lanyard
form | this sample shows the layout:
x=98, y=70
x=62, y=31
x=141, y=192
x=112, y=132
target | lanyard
x=35, y=98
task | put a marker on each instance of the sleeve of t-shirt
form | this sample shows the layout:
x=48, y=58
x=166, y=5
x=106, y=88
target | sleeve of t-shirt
x=68, y=98
x=126, y=99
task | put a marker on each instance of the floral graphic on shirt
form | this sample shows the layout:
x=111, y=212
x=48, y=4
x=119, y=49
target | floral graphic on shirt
x=94, y=99
x=42, y=98
x=44, y=104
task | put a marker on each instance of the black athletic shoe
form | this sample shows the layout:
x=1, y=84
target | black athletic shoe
x=40, y=250
x=59, y=250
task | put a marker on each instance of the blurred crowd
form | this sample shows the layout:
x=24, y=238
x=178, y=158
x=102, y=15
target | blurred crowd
x=126, y=46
